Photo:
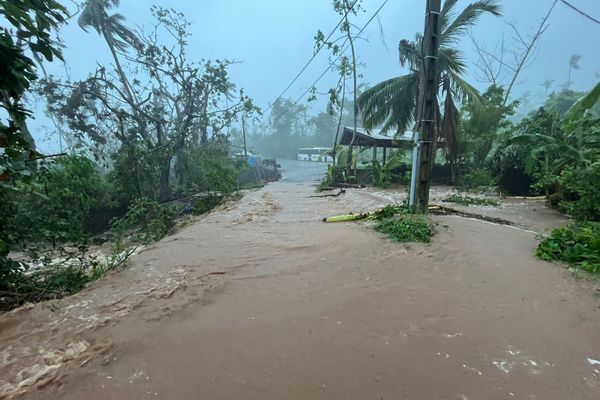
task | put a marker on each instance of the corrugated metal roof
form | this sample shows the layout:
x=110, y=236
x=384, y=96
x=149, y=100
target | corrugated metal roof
x=368, y=138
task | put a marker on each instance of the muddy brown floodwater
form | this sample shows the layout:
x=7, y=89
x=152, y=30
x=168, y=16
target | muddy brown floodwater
x=261, y=300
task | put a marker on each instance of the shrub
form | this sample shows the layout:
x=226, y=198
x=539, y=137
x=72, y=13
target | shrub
x=134, y=174
x=334, y=176
x=205, y=202
x=150, y=221
x=407, y=228
x=57, y=207
x=209, y=169
x=580, y=190
x=390, y=211
x=71, y=271
x=476, y=179
x=576, y=244
x=508, y=166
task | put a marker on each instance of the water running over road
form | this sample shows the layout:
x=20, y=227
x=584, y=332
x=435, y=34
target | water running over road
x=261, y=300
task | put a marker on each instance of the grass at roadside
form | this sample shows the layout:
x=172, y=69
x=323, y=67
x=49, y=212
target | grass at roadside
x=407, y=228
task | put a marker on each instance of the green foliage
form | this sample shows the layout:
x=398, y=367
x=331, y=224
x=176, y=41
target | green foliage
x=31, y=25
x=334, y=175
x=407, y=228
x=480, y=128
x=465, y=200
x=74, y=189
x=381, y=175
x=561, y=102
x=58, y=205
x=389, y=211
x=576, y=244
x=135, y=173
x=478, y=178
x=516, y=164
x=209, y=169
x=205, y=202
x=581, y=106
x=149, y=220
x=71, y=270
x=508, y=168
x=562, y=157
x=580, y=192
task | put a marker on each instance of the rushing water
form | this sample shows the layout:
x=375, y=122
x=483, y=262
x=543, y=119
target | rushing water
x=262, y=300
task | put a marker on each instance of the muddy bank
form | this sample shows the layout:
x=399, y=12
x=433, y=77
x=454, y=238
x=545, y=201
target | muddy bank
x=263, y=301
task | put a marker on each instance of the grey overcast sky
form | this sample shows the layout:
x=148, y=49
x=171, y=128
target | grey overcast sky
x=273, y=39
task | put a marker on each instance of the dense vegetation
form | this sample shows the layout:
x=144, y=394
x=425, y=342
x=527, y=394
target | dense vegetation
x=577, y=245
x=144, y=138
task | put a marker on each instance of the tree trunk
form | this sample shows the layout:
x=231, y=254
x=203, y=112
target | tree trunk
x=354, y=107
x=339, y=125
x=120, y=71
x=164, y=180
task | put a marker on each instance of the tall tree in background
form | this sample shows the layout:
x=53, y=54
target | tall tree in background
x=347, y=66
x=392, y=104
x=345, y=8
x=573, y=64
x=114, y=31
x=547, y=84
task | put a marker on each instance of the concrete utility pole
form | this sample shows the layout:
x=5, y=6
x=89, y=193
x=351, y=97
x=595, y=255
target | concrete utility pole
x=426, y=108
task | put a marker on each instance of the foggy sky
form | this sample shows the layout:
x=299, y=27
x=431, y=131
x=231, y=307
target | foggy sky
x=273, y=39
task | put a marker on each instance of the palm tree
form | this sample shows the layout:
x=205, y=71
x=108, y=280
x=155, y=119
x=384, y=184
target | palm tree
x=392, y=104
x=547, y=84
x=117, y=36
x=573, y=64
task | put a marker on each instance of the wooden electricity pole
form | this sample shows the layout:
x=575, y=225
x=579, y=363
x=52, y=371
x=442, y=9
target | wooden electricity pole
x=427, y=102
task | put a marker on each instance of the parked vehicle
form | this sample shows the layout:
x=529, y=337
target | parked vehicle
x=315, y=154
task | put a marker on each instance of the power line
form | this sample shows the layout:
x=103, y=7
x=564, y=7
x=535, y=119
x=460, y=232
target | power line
x=345, y=46
x=586, y=15
x=313, y=56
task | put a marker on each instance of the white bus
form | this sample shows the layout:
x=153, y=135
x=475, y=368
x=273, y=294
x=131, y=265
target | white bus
x=315, y=154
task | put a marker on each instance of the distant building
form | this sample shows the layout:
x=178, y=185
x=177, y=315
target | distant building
x=315, y=154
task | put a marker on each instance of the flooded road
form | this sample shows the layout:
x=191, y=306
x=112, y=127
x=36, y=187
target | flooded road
x=261, y=300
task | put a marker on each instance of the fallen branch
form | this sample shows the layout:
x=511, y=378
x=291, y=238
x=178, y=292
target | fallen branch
x=342, y=191
x=442, y=210
x=327, y=188
x=350, y=185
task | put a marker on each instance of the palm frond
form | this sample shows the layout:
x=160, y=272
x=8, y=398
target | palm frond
x=451, y=59
x=119, y=33
x=410, y=52
x=447, y=14
x=389, y=104
x=95, y=15
x=531, y=139
x=449, y=129
x=467, y=18
x=466, y=92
